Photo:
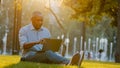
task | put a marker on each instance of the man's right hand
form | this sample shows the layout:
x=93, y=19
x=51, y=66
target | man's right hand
x=42, y=41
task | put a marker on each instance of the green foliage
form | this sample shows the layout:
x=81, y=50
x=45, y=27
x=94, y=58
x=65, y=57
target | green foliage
x=94, y=8
x=80, y=7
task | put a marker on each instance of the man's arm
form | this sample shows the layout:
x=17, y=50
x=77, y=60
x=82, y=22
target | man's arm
x=24, y=41
x=30, y=44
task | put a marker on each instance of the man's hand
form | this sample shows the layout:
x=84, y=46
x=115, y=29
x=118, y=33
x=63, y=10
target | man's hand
x=42, y=41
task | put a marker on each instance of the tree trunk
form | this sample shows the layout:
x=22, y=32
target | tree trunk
x=117, y=49
x=17, y=25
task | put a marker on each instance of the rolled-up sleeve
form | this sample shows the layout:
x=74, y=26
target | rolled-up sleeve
x=22, y=37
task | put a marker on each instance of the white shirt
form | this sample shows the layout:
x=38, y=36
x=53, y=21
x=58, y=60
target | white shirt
x=29, y=34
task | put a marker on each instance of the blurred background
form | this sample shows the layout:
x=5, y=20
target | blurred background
x=89, y=25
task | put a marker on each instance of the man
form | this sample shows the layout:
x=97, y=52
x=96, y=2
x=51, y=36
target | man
x=102, y=55
x=31, y=38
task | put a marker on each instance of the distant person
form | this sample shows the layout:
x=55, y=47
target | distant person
x=31, y=38
x=102, y=55
x=89, y=55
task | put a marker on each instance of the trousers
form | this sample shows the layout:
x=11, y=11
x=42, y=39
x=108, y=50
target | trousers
x=47, y=57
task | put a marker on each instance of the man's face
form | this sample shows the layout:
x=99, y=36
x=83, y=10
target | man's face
x=37, y=22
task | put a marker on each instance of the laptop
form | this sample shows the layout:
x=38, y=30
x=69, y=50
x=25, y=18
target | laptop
x=52, y=44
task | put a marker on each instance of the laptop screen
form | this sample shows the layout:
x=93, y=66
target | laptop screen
x=52, y=44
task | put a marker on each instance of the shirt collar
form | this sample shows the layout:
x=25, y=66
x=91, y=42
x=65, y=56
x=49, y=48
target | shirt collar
x=32, y=28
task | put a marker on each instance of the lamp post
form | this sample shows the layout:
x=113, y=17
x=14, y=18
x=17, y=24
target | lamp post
x=17, y=25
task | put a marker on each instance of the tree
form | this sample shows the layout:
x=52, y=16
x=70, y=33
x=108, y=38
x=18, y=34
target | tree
x=17, y=25
x=97, y=9
x=117, y=49
x=82, y=10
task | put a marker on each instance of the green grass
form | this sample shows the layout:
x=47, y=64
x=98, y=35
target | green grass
x=14, y=62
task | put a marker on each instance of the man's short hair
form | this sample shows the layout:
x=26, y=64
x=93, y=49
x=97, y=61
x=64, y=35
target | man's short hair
x=37, y=13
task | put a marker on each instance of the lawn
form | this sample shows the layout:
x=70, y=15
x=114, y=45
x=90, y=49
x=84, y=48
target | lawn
x=14, y=62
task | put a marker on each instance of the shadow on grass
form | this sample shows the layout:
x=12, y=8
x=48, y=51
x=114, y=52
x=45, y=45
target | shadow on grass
x=38, y=65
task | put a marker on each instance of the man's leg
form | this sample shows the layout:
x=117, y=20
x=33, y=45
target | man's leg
x=57, y=59
x=39, y=57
